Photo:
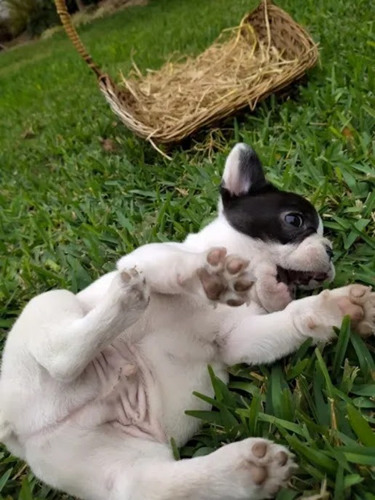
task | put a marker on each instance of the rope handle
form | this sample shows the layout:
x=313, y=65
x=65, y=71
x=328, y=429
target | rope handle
x=78, y=45
x=73, y=35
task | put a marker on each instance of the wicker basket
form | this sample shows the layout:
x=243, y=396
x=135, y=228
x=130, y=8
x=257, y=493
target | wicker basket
x=265, y=53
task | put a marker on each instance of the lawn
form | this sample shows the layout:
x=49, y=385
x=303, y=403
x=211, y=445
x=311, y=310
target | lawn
x=70, y=208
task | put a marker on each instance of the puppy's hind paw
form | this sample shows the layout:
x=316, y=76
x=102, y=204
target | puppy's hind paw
x=329, y=308
x=270, y=467
x=225, y=278
x=258, y=468
x=132, y=288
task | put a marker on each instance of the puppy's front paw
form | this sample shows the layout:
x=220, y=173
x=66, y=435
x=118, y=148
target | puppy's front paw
x=225, y=278
x=274, y=295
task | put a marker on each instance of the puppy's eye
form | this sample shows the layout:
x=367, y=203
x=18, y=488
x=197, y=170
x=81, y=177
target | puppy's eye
x=295, y=220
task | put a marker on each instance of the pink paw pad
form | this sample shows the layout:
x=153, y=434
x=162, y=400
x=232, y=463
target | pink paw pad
x=225, y=278
x=270, y=466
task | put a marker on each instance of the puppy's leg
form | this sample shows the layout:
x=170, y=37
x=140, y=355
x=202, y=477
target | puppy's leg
x=67, y=339
x=252, y=469
x=212, y=274
x=265, y=338
x=115, y=467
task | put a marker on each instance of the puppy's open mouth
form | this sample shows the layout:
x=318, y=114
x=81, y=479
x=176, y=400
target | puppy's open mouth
x=294, y=278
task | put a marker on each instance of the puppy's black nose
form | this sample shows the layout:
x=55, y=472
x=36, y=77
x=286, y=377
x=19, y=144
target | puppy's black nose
x=329, y=252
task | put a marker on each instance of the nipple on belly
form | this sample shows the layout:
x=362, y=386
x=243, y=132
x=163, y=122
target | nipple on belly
x=129, y=370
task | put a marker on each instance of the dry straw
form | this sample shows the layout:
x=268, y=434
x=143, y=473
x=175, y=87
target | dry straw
x=265, y=53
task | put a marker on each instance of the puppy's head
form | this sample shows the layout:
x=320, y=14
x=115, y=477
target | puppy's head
x=285, y=229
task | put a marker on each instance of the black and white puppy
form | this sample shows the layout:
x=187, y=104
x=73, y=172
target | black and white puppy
x=94, y=385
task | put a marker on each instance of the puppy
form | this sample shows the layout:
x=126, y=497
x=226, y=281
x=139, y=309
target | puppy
x=94, y=385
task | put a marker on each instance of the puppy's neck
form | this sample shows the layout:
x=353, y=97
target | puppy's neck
x=220, y=233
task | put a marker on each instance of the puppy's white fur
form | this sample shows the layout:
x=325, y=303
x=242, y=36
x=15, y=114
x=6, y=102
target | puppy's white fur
x=94, y=385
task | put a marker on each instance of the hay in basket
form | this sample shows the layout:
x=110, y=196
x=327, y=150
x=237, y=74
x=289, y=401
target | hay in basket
x=265, y=53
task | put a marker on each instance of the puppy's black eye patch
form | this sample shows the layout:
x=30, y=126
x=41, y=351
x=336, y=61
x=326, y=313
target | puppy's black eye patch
x=271, y=215
x=294, y=219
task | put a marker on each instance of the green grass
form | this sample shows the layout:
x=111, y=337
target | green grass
x=70, y=209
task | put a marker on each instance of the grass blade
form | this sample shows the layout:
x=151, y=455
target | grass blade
x=341, y=347
x=323, y=368
x=4, y=478
x=364, y=357
x=360, y=426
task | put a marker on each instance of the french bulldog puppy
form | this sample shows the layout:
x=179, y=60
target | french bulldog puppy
x=94, y=385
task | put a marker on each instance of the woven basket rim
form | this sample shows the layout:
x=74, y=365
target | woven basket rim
x=115, y=95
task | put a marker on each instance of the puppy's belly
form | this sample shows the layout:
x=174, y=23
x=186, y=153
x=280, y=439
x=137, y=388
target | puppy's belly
x=180, y=368
x=125, y=382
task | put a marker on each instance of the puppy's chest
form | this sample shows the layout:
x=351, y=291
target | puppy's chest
x=185, y=319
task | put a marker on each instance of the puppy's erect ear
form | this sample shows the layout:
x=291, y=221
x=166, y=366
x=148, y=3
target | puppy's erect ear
x=243, y=172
